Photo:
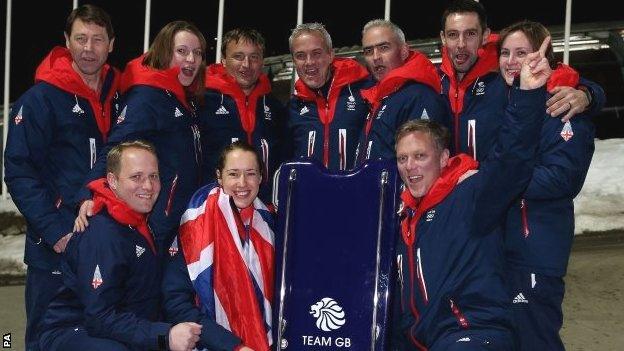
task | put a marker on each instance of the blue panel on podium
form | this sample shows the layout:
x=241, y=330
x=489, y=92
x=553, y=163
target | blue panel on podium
x=336, y=234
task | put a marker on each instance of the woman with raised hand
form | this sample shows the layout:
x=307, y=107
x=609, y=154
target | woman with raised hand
x=540, y=224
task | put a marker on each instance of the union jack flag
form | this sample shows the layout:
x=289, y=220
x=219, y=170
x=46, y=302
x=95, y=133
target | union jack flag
x=230, y=264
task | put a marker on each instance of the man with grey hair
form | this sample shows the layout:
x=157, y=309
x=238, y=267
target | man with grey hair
x=326, y=111
x=407, y=88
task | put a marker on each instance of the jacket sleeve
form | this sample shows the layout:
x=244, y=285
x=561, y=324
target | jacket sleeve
x=563, y=164
x=102, y=273
x=507, y=170
x=179, y=306
x=598, y=96
x=31, y=127
x=137, y=120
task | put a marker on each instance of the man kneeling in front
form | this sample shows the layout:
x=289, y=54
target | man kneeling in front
x=450, y=293
x=111, y=272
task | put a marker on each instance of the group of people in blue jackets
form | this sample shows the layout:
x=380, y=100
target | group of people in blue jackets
x=128, y=249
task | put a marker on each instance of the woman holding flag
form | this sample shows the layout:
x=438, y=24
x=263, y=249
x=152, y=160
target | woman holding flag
x=222, y=277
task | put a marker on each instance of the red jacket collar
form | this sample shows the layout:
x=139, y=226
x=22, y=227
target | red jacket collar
x=103, y=197
x=417, y=68
x=136, y=73
x=345, y=71
x=487, y=62
x=440, y=189
x=218, y=79
x=563, y=75
x=56, y=69
x=444, y=185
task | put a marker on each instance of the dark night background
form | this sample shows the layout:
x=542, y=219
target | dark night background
x=38, y=25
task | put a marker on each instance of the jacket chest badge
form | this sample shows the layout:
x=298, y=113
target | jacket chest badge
x=139, y=250
x=429, y=216
x=122, y=115
x=18, y=118
x=97, y=277
x=178, y=113
x=222, y=111
x=304, y=110
x=173, y=249
x=267, y=113
x=381, y=111
x=351, y=103
x=567, y=133
x=424, y=114
x=480, y=88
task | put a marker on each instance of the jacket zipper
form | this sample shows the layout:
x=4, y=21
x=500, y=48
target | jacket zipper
x=461, y=319
x=174, y=183
x=525, y=220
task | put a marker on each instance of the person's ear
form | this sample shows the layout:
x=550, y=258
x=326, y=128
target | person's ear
x=444, y=158
x=111, y=179
x=442, y=38
x=486, y=35
x=110, y=45
x=404, y=52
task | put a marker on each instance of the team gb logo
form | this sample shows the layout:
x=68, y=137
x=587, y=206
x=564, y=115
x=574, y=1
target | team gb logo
x=329, y=315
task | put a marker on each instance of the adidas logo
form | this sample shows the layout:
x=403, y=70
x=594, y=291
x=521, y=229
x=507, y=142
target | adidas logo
x=304, y=110
x=424, y=115
x=139, y=250
x=520, y=299
x=77, y=109
x=222, y=111
x=178, y=113
x=464, y=339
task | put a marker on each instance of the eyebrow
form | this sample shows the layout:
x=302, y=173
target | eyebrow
x=376, y=45
x=236, y=169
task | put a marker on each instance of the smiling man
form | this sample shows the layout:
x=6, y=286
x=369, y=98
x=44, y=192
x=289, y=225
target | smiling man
x=407, y=88
x=239, y=106
x=56, y=130
x=450, y=293
x=111, y=273
x=326, y=111
x=469, y=79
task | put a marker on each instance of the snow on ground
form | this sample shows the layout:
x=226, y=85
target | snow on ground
x=600, y=204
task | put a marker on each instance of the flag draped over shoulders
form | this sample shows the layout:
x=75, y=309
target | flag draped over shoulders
x=230, y=264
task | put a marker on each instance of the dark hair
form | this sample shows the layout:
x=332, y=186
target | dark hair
x=439, y=133
x=239, y=145
x=242, y=34
x=113, y=158
x=535, y=33
x=463, y=6
x=90, y=14
x=161, y=51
